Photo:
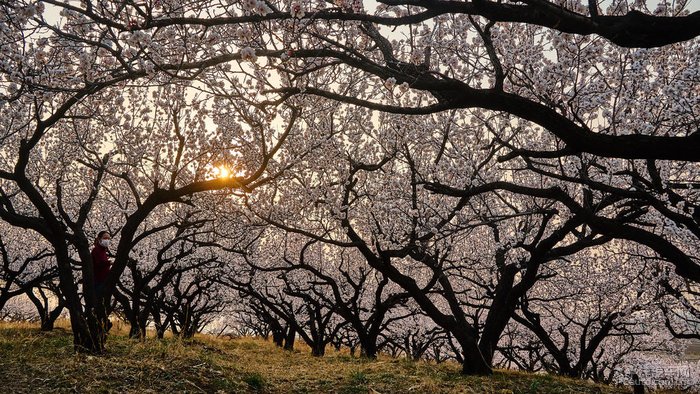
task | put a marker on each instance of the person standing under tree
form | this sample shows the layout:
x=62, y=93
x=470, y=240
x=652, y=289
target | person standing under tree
x=100, y=262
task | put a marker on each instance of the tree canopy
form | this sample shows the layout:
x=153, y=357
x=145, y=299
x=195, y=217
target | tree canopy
x=485, y=181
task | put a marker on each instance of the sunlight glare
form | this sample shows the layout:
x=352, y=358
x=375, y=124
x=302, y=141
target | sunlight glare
x=223, y=172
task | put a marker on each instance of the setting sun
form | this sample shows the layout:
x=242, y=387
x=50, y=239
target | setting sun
x=229, y=170
x=222, y=172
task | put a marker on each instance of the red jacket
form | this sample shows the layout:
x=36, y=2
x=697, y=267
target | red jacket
x=100, y=263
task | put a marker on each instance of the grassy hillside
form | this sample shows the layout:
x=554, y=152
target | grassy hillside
x=31, y=361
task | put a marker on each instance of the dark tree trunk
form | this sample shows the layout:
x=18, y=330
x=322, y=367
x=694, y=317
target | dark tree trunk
x=290, y=338
x=89, y=333
x=189, y=332
x=368, y=347
x=318, y=349
x=637, y=385
x=47, y=325
x=130, y=309
x=473, y=362
x=48, y=322
x=278, y=337
x=161, y=326
x=47, y=316
x=135, y=331
x=142, y=324
x=475, y=366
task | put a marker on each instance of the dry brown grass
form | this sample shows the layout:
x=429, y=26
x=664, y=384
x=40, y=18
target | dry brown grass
x=32, y=361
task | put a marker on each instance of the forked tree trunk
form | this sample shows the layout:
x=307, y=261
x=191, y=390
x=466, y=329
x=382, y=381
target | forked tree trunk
x=473, y=362
x=47, y=315
x=48, y=321
x=89, y=333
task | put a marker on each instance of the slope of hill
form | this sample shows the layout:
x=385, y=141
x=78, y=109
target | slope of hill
x=32, y=361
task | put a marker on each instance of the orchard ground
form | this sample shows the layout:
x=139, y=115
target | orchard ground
x=35, y=361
